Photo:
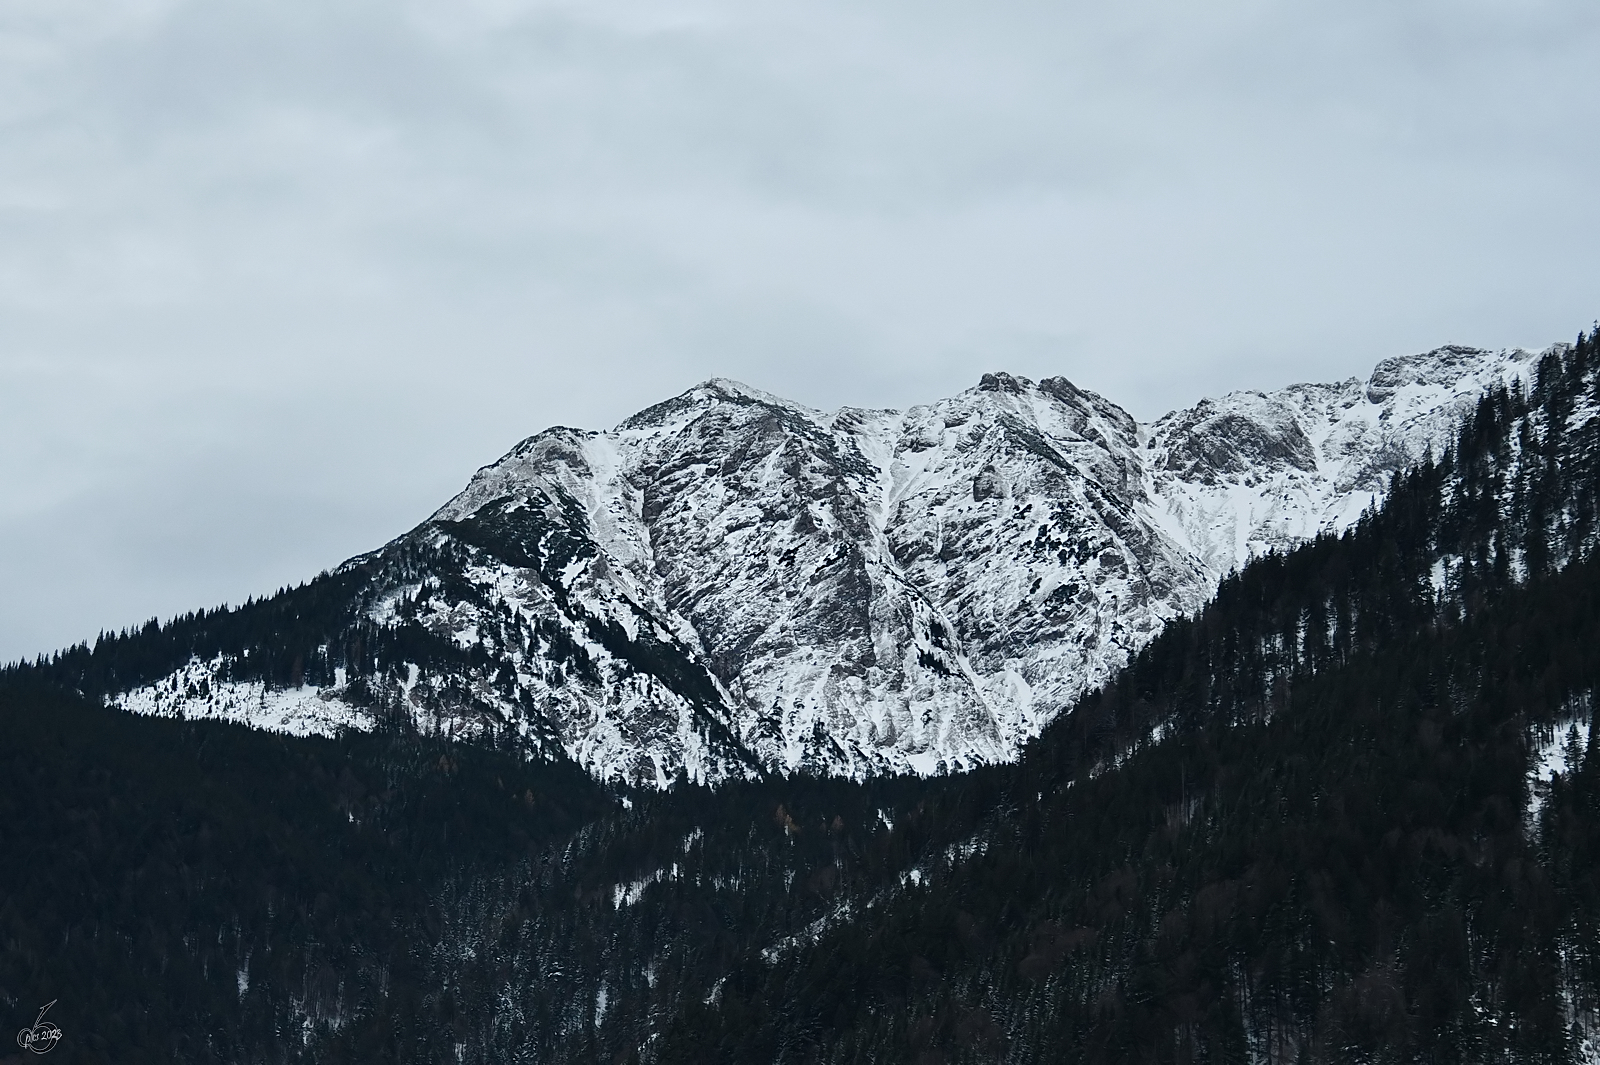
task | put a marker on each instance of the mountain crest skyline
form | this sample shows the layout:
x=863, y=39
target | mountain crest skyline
x=729, y=583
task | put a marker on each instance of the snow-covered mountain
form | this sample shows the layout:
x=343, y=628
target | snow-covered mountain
x=729, y=583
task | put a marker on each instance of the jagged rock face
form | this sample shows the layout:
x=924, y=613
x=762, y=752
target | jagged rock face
x=872, y=590
x=729, y=583
x=1254, y=472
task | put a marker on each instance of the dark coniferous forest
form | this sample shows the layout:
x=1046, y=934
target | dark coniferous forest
x=1304, y=825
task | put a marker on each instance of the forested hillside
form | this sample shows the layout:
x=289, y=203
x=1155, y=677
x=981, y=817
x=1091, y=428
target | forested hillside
x=1347, y=812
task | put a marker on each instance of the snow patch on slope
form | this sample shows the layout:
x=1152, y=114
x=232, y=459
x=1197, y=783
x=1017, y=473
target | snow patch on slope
x=1558, y=750
x=198, y=692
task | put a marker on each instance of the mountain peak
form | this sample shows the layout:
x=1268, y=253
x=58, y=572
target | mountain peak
x=1003, y=382
x=1449, y=366
x=730, y=583
x=694, y=401
x=729, y=389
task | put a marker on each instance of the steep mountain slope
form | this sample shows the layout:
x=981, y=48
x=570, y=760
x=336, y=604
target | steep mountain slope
x=730, y=584
x=1256, y=472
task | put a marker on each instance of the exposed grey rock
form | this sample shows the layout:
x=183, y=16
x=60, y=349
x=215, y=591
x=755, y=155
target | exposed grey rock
x=729, y=583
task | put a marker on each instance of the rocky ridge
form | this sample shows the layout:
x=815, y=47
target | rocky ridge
x=730, y=584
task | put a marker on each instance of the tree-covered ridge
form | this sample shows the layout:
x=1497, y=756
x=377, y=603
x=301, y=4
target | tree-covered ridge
x=193, y=891
x=199, y=891
x=1350, y=878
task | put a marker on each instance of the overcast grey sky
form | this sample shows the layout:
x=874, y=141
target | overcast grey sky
x=277, y=275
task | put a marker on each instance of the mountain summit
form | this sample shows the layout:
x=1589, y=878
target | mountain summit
x=729, y=584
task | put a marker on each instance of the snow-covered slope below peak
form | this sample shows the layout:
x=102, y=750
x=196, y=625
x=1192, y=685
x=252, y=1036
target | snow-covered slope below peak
x=1254, y=472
